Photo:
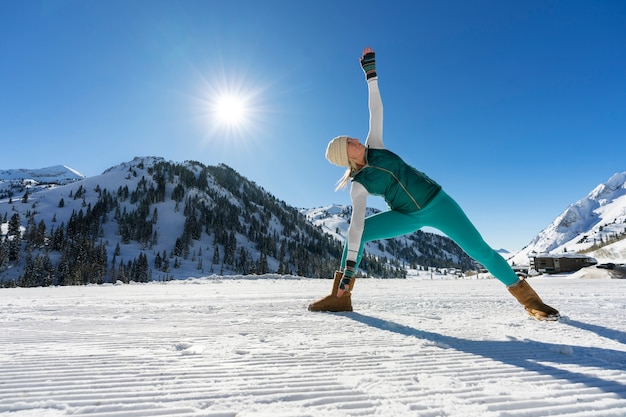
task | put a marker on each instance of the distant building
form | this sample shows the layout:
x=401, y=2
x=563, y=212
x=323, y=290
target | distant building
x=562, y=262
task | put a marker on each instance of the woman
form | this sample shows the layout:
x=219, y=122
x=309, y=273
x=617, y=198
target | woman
x=414, y=200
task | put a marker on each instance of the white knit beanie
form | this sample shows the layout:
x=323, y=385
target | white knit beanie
x=337, y=151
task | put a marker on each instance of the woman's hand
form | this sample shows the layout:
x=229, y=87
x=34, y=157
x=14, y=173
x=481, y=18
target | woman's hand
x=367, y=50
x=346, y=282
x=368, y=63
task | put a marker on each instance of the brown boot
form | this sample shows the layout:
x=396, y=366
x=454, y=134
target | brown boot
x=532, y=303
x=333, y=303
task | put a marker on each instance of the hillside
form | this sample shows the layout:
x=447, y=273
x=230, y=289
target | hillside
x=595, y=225
x=15, y=182
x=150, y=219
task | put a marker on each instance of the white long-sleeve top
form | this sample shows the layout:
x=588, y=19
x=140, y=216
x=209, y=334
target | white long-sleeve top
x=358, y=193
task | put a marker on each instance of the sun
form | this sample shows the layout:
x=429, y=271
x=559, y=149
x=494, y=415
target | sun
x=231, y=106
x=230, y=109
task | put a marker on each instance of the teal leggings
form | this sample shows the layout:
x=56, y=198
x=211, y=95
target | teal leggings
x=442, y=213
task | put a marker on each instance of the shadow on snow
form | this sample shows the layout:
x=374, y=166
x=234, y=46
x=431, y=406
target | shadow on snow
x=529, y=354
x=617, y=335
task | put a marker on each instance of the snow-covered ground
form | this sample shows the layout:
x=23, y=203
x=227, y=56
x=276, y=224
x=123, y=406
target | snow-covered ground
x=248, y=347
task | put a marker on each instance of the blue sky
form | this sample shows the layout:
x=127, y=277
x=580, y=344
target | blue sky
x=518, y=108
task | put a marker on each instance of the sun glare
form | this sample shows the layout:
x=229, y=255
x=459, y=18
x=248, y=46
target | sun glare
x=230, y=109
x=233, y=111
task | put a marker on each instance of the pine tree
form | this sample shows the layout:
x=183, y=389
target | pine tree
x=216, y=255
x=14, y=237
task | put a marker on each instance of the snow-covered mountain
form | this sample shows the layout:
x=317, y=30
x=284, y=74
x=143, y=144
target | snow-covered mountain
x=15, y=182
x=59, y=174
x=155, y=219
x=595, y=224
x=237, y=227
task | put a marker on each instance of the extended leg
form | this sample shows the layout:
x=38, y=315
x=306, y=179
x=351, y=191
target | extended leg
x=384, y=225
x=448, y=217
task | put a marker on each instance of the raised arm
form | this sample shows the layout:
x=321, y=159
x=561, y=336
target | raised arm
x=375, y=103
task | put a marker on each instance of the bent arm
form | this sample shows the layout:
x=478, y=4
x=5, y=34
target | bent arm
x=375, y=103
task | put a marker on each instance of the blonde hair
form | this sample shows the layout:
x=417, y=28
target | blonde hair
x=345, y=179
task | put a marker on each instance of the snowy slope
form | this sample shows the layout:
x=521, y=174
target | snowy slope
x=14, y=182
x=55, y=206
x=598, y=217
x=594, y=219
x=255, y=220
x=58, y=174
x=615, y=253
x=221, y=347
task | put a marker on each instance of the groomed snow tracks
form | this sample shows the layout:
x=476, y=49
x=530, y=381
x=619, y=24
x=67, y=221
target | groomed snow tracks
x=226, y=348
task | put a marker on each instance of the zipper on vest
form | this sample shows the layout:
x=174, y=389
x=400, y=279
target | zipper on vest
x=399, y=183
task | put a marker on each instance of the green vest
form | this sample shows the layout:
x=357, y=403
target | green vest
x=404, y=188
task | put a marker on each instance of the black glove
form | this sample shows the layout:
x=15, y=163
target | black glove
x=368, y=63
x=346, y=282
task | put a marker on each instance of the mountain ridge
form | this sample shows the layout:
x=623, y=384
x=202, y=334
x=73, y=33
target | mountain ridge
x=152, y=219
x=596, y=220
x=16, y=181
x=55, y=173
x=220, y=195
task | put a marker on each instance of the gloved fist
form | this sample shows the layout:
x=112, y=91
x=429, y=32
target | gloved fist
x=368, y=63
x=346, y=281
